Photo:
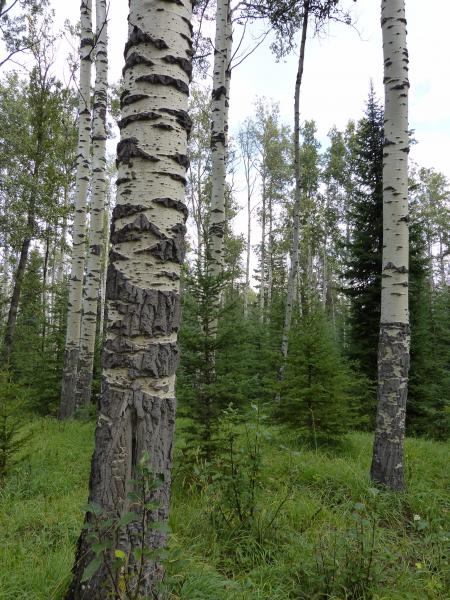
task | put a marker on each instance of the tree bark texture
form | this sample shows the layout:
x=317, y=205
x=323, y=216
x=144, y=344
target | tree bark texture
x=69, y=379
x=15, y=298
x=393, y=357
x=92, y=288
x=219, y=135
x=293, y=268
x=140, y=355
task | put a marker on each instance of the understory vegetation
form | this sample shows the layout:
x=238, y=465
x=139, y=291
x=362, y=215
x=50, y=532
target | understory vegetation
x=280, y=520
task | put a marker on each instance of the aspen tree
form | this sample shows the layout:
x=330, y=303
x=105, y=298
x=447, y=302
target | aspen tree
x=293, y=267
x=92, y=287
x=393, y=352
x=219, y=134
x=140, y=356
x=71, y=355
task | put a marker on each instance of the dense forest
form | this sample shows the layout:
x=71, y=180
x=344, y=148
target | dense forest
x=284, y=391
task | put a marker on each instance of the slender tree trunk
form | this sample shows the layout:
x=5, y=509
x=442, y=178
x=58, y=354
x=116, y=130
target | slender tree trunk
x=293, y=268
x=249, y=236
x=44, y=288
x=14, y=305
x=393, y=357
x=262, y=286
x=219, y=135
x=92, y=287
x=104, y=268
x=270, y=257
x=71, y=354
x=137, y=404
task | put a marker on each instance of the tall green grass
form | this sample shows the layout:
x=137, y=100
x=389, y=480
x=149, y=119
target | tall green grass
x=312, y=541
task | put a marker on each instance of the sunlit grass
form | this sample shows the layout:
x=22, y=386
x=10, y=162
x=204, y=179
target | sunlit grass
x=41, y=511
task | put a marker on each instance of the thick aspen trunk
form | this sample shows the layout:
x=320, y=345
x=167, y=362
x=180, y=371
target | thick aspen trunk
x=71, y=355
x=219, y=135
x=393, y=357
x=140, y=356
x=92, y=287
x=293, y=268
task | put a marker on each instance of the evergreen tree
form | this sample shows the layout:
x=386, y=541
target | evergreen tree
x=363, y=269
x=318, y=392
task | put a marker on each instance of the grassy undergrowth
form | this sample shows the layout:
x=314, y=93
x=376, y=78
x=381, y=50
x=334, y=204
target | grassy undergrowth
x=321, y=530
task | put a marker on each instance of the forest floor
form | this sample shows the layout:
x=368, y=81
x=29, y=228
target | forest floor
x=318, y=529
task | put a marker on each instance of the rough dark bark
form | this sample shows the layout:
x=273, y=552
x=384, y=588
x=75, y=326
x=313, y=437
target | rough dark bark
x=387, y=464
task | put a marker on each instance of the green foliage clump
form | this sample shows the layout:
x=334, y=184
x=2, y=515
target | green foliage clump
x=319, y=392
x=12, y=438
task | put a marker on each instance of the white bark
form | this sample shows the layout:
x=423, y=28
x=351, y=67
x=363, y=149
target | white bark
x=140, y=356
x=79, y=223
x=219, y=134
x=270, y=258
x=393, y=358
x=262, y=285
x=96, y=226
x=293, y=268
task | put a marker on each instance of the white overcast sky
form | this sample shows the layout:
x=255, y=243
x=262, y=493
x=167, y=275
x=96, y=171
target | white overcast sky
x=338, y=69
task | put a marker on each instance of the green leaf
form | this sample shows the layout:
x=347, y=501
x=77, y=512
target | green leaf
x=101, y=546
x=91, y=569
x=160, y=526
x=94, y=508
x=128, y=517
x=119, y=554
x=154, y=505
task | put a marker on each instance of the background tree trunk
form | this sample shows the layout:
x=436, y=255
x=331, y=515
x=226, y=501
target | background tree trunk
x=393, y=356
x=140, y=357
x=96, y=230
x=71, y=355
x=219, y=135
x=293, y=268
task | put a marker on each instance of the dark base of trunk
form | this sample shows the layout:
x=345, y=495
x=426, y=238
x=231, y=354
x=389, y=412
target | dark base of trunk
x=131, y=422
x=69, y=384
x=84, y=382
x=393, y=366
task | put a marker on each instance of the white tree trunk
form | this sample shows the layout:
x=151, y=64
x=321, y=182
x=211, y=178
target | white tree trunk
x=219, y=135
x=270, y=257
x=137, y=405
x=393, y=356
x=92, y=287
x=293, y=268
x=71, y=355
x=262, y=285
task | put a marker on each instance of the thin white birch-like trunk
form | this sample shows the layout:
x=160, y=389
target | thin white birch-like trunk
x=262, y=286
x=104, y=265
x=92, y=288
x=393, y=355
x=293, y=267
x=140, y=356
x=249, y=233
x=270, y=257
x=71, y=355
x=219, y=135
